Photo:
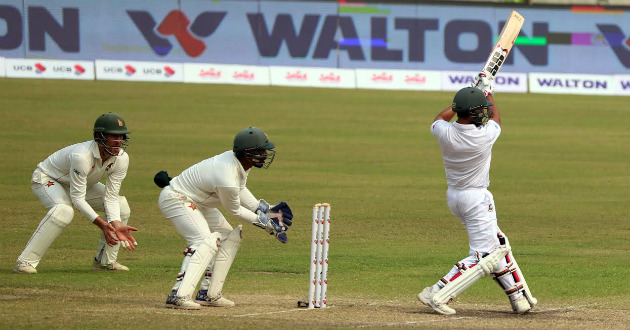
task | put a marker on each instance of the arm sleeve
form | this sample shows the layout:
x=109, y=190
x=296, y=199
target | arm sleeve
x=112, y=188
x=79, y=169
x=494, y=130
x=230, y=199
x=437, y=127
x=248, y=200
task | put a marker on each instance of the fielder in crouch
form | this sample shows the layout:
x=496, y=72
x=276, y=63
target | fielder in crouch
x=190, y=202
x=466, y=146
x=70, y=177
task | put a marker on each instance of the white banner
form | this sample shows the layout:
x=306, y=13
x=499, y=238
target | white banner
x=622, y=85
x=565, y=83
x=226, y=74
x=139, y=71
x=49, y=69
x=399, y=79
x=2, y=74
x=312, y=77
x=507, y=82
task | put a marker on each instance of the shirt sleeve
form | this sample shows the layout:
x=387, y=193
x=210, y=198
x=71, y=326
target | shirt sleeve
x=494, y=130
x=112, y=188
x=230, y=199
x=437, y=128
x=248, y=200
x=79, y=169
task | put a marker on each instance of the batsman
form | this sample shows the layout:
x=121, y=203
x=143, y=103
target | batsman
x=190, y=202
x=466, y=146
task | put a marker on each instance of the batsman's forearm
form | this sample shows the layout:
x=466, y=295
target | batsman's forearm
x=495, y=115
x=446, y=115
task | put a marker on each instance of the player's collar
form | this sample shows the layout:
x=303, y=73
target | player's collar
x=464, y=127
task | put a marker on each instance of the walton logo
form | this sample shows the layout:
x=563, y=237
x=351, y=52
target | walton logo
x=177, y=24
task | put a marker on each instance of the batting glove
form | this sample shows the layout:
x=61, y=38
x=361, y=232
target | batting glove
x=484, y=84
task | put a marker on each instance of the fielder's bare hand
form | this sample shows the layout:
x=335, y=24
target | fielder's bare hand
x=127, y=241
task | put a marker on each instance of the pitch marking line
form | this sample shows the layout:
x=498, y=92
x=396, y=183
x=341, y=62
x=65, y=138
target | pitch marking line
x=276, y=312
x=413, y=322
x=562, y=308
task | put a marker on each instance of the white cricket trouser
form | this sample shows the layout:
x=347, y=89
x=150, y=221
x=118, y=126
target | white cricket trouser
x=55, y=197
x=193, y=223
x=476, y=210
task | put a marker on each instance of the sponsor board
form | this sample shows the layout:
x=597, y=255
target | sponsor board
x=564, y=83
x=2, y=74
x=312, y=77
x=622, y=84
x=398, y=79
x=139, y=71
x=507, y=82
x=226, y=74
x=48, y=69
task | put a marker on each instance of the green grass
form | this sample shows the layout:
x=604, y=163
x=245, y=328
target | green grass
x=560, y=177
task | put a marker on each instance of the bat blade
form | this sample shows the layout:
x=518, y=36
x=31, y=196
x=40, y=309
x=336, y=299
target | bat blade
x=504, y=44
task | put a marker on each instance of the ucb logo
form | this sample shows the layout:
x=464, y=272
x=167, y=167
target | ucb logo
x=177, y=24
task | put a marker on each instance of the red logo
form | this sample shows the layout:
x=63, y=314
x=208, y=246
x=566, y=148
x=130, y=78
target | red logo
x=246, y=75
x=49, y=183
x=382, y=77
x=210, y=73
x=297, y=75
x=169, y=71
x=78, y=69
x=331, y=77
x=415, y=79
x=40, y=67
x=192, y=206
x=129, y=70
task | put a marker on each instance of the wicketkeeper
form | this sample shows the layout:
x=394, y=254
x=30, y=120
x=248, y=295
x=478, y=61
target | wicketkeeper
x=71, y=177
x=466, y=146
x=190, y=202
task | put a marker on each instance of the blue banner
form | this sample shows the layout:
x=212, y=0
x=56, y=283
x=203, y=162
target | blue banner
x=317, y=34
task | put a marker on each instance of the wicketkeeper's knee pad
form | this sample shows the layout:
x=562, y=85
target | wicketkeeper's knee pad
x=61, y=215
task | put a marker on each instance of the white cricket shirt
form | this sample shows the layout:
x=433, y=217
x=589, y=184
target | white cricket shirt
x=219, y=180
x=466, y=151
x=80, y=166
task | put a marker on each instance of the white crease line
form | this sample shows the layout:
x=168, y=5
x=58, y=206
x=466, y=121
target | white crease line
x=563, y=308
x=413, y=322
x=276, y=312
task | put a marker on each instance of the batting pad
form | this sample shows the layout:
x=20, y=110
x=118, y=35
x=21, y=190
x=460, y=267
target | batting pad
x=469, y=276
x=223, y=262
x=204, y=252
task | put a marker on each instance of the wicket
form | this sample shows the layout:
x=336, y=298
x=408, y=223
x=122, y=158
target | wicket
x=319, y=256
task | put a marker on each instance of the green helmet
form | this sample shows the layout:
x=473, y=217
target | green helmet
x=470, y=102
x=111, y=123
x=250, y=142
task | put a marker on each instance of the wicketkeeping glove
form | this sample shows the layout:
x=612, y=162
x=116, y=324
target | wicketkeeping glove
x=162, y=179
x=484, y=84
x=272, y=226
x=287, y=214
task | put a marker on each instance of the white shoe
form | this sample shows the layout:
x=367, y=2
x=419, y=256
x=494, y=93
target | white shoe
x=426, y=297
x=173, y=301
x=115, y=266
x=23, y=267
x=520, y=305
x=219, y=301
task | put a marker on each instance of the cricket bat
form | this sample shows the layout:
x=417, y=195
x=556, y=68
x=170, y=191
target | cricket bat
x=504, y=44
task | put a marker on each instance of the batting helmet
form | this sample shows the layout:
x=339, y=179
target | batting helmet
x=254, y=144
x=470, y=102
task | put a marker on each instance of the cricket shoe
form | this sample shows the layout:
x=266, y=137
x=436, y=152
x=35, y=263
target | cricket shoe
x=173, y=301
x=220, y=301
x=23, y=267
x=520, y=305
x=114, y=266
x=426, y=297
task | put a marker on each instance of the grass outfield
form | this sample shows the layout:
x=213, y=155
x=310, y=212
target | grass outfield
x=560, y=177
